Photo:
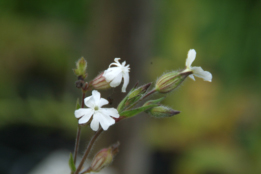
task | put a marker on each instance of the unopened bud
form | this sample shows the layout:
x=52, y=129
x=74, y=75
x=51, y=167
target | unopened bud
x=81, y=67
x=169, y=81
x=136, y=94
x=100, y=82
x=104, y=157
x=162, y=111
x=140, y=90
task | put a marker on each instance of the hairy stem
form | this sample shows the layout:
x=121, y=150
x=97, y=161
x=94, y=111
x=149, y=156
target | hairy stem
x=88, y=149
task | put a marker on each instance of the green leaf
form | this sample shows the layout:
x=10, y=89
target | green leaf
x=133, y=112
x=122, y=103
x=71, y=163
x=78, y=106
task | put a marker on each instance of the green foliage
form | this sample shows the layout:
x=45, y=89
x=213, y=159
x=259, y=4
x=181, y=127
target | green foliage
x=71, y=163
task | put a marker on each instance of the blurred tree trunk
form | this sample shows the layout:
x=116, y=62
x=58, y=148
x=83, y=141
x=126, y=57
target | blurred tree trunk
x=123, y=29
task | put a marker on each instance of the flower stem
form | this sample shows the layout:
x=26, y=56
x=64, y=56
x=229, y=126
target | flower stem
x=88, y=149
x=83, y=96
x=77, y=143
x=88, y=170
x=148, y=94
x=78, y=135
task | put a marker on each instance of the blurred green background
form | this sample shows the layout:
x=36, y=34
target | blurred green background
x=219, y=128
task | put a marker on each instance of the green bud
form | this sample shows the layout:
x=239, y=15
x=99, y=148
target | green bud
x=99, y=83
x=169, y=81
x=81, y=67
x=104, y=157
x=136, y=94
x=162, y=111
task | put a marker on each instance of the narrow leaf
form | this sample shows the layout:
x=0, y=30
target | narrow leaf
x=122, y=103
x=78, y=106
x=71, y=163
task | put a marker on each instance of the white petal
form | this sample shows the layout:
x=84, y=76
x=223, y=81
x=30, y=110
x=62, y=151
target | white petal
x=126, y=82
x=106, y=121
x=199, y=72
x=116, y=81
x=192, y=77
x=111, y=112
x=116, y=59
x=96, y=96
x=81, y=112
x=86, y=117
x=191, y=57
x=103, y=102
x=88, y=101
x=95, y=122
x=111, y=73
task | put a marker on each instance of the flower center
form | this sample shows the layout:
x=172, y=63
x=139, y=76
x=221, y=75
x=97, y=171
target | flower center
x=96, y=108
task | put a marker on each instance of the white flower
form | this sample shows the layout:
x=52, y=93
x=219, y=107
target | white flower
x=99, y=115
x=115, y=74
x=197, y=70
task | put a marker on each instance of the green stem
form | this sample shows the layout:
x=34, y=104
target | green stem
x=77, y=143
x=88, y=149
x=78, y=135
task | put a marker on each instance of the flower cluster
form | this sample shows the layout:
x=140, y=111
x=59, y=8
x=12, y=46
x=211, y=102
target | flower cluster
x=93, y=114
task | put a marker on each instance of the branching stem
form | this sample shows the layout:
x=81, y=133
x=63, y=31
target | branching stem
x=88, y=149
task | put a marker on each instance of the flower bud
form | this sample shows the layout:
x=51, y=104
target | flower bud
x=136, y=94
x=104, y=157
x=99, y=82
x=162, y=111
x=81, y=66
x=169, y=81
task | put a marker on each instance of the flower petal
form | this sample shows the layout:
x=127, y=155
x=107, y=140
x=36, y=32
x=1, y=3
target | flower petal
x=81, y=112
x=103, y=102
x=111, y=73
x=86, y=117
x=192, y=77
x=199, y=72
x=191, y=57
x=95, y=121
x=96, y=96
x=110, y=111
x=106, y=121
x=88, y=101
x=116, y=81
x=126, y=82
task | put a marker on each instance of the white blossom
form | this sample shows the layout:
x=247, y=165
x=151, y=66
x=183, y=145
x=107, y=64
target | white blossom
x=99, y=115
x=196, y=70
x=114, y=74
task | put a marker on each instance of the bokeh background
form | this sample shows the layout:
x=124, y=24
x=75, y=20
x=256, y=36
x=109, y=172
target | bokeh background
x=219, y=128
